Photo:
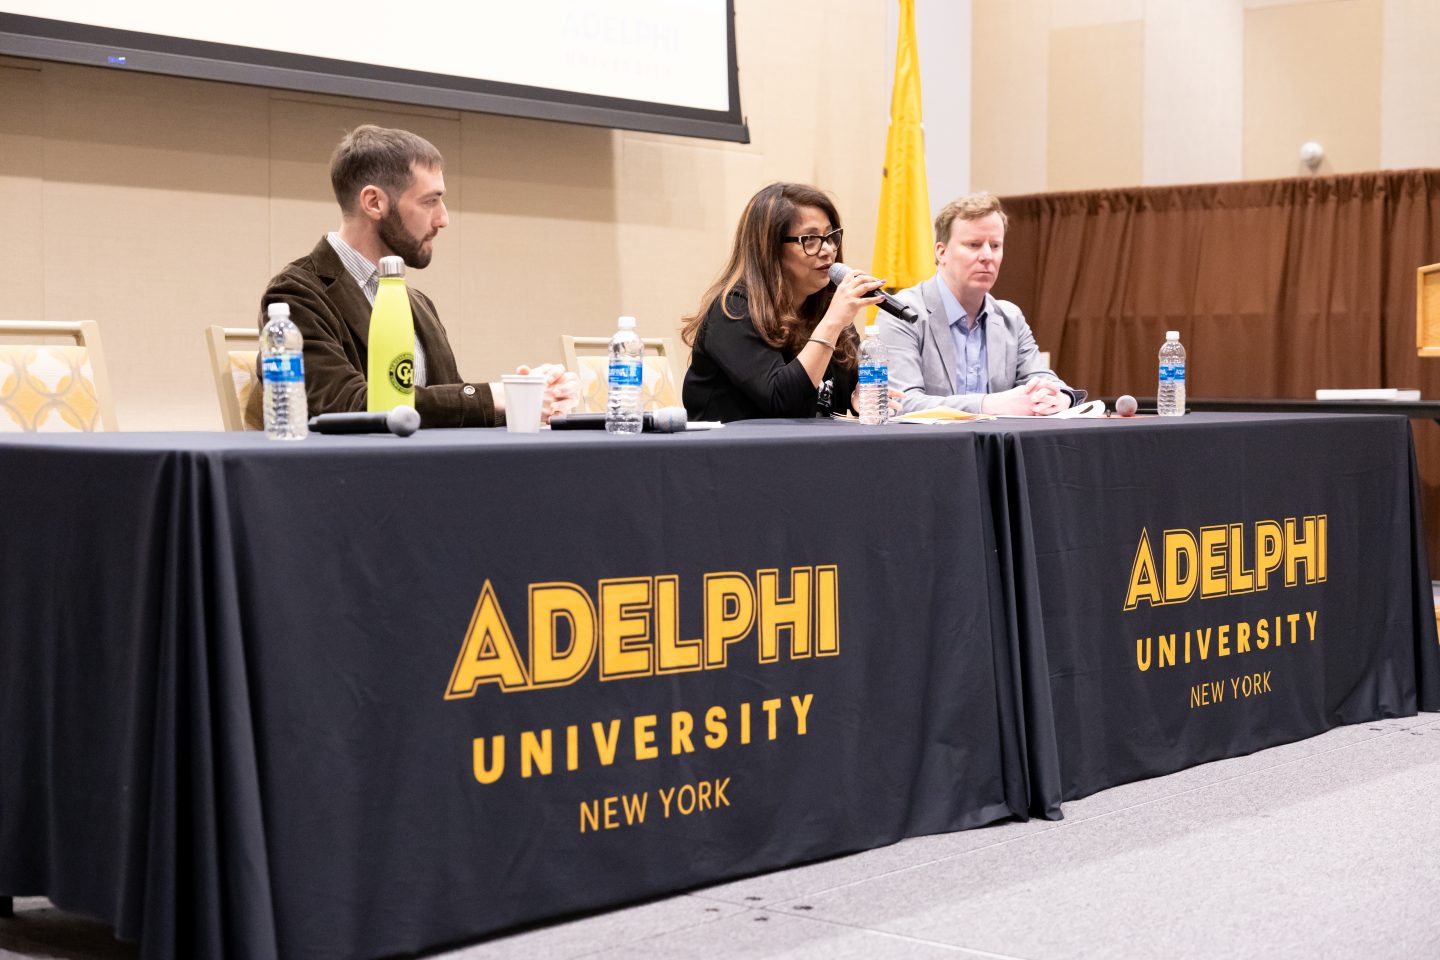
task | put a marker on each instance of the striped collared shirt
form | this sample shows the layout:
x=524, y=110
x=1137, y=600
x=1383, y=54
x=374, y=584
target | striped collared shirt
x=367, y=275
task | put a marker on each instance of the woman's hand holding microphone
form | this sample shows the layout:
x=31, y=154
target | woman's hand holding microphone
x=852, y=295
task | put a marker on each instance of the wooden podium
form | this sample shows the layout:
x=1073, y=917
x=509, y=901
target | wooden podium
x=1427, y=310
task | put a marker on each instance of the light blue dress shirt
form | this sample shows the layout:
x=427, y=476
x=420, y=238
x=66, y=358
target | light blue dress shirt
x=972, y=368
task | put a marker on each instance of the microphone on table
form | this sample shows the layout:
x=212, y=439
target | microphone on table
x=664, y=420
x=838, y=272
x=401, y=421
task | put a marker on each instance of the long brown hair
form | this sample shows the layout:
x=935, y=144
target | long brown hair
x=754, y=268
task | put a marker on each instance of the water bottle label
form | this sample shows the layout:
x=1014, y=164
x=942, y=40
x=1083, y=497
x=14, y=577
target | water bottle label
x=624, y=373
x=1172, y=373
x=285, y=368
x=873, y=373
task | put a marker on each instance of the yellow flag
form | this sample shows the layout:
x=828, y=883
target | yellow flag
x=904, y=246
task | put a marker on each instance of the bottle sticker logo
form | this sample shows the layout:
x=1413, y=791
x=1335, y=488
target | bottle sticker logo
x=623, y=374
x=871, y=373
x=282, y=369
x=402, y=372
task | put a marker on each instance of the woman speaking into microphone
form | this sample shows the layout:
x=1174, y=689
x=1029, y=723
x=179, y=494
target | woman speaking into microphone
x=772, y=337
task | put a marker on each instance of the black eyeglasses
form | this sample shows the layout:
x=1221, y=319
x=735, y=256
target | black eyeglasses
x=811, y=242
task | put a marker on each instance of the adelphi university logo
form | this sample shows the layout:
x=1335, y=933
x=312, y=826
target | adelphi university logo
x=631, y=627
x=1226, y=560
x=402, y=372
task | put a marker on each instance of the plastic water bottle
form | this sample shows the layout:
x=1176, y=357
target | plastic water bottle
x=1170, y=398
x=390, y=361
x=874, y=378
x=624, y=374
x=282, y=371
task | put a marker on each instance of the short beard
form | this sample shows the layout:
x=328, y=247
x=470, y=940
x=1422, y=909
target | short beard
x=394, y=235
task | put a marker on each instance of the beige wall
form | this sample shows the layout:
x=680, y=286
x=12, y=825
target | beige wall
x=1193, y=90
x=158, y=205
x=1009, y=83
x=1410, y=84
x=1093, y=134
x=1312, y=72
x=1227, y=89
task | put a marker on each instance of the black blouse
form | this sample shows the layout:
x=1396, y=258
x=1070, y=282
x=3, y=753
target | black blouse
x=736, y=375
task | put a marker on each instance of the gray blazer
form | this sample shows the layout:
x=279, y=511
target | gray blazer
x=922, y=354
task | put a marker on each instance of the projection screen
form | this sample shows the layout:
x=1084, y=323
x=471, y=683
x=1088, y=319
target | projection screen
x=666, y=66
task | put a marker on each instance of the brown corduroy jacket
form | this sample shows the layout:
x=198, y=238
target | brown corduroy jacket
x=333, y=316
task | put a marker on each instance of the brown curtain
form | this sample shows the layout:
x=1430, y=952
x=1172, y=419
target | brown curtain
x=1277, y=287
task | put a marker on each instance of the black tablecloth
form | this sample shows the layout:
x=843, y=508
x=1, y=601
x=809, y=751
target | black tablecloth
x=1122, y=708
x=252, y=695
x=242, y=709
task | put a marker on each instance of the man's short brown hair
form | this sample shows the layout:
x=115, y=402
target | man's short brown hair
x=972, y=206
x=378, y=155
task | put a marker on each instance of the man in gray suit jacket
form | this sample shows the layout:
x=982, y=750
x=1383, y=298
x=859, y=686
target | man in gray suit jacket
x=969, y=351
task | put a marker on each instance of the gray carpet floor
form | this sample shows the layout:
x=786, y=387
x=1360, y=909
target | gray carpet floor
x=1329, y=847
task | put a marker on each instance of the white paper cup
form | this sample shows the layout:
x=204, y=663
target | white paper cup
x=524, y=395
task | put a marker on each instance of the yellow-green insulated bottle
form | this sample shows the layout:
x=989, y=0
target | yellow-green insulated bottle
x=391, y=367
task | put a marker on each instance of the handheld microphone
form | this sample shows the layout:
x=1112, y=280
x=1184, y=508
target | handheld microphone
x=401, y=421
x=838, y=272
x=667, y=420
x=664, y=420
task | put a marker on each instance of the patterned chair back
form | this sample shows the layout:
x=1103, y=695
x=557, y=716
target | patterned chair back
x=53, y=387
x=232, y=361
x=588, y=358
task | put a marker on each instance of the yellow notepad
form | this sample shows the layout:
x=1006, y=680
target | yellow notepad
x=940, y=415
